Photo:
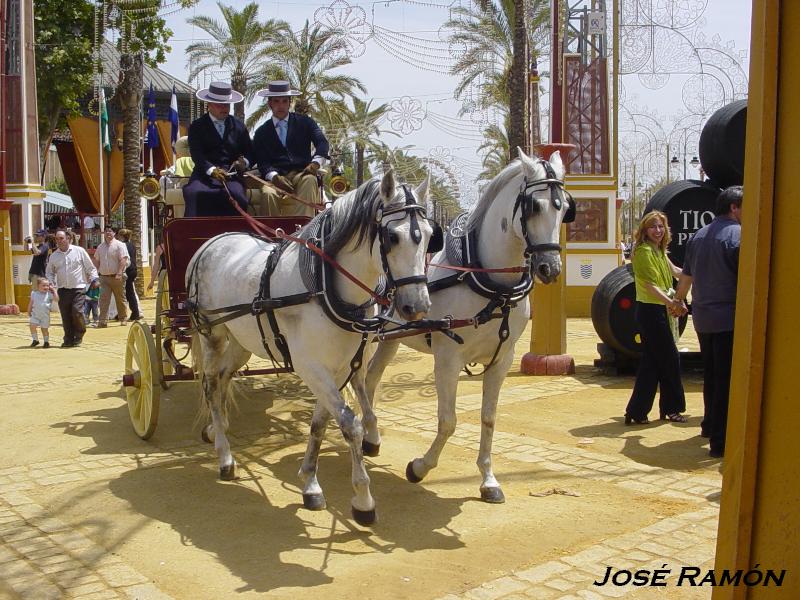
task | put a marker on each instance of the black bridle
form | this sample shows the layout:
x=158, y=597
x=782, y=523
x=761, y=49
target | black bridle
x=558, y=197
x=412, y=209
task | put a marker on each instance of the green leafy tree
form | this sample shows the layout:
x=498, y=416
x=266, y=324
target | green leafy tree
x=63, y=64
x=307, y=60
x=58, y=185
x=238, y=45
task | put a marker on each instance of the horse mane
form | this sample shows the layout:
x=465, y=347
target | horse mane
x=476, y=216
x=353, y=216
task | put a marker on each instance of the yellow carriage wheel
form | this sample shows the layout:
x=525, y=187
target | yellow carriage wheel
x=163, y=325
x=140, y=380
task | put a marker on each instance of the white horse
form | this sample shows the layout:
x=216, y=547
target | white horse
x=515, y=223
x=310, y=315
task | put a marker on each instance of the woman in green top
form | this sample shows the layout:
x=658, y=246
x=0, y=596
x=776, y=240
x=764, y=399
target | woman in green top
x=659, y=366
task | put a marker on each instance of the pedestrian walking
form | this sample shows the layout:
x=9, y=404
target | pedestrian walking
x=659, y=366
x=70, y=269
x=39, y=309
x=710, y=270
x=91, y=310
x=111, y=259
x=130, y=273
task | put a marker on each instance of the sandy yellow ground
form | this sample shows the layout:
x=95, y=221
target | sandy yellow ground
x=88, y=510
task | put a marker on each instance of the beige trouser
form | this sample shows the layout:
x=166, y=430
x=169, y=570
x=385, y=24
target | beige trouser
x=109, y=284
x=275, y=204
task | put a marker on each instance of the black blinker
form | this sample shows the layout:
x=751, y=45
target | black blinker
x=436, y=242
x=569, y=216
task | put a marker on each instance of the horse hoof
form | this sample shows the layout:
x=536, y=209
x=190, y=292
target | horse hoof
x=228, y=473
x=364, y=517
x=370, y=449
x=314, y=501
x=410, y=475
x=204, y=436
x=492, y=495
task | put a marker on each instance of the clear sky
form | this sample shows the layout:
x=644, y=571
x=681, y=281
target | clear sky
x=407, y=36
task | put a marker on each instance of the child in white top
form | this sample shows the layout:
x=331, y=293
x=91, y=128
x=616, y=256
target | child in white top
x=39, y=309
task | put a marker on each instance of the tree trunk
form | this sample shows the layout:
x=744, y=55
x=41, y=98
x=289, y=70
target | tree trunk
x=302, y=106
x=239, y=83
x=359, y=164
x=517, y=134
x=130, y=93
x=46, y=140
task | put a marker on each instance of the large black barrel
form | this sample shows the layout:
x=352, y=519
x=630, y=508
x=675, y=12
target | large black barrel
x=612, y=312
x=689, y=205
x=722, y=144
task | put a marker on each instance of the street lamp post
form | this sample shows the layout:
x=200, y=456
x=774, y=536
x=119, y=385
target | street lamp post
x=694, y=162
x=637, y=185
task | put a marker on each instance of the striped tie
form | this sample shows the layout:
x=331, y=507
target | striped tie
x=220, y=128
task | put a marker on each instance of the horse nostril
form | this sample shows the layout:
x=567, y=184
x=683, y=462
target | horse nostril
x=544, y=270
x=408, y=309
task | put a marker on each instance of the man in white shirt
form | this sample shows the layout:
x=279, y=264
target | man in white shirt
x=71, y=270
x=111, y=258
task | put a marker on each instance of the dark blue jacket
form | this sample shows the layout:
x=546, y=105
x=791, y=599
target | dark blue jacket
x=208, y=150
x=271, y=155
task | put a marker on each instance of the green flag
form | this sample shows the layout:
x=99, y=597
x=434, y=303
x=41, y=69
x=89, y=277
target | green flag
x=104, y=137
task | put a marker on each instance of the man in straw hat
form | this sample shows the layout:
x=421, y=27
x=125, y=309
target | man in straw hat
x=218, y=143
x=282, y=149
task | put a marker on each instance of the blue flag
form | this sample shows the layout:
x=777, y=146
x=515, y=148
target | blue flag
x=152, y=130
x=173, y=118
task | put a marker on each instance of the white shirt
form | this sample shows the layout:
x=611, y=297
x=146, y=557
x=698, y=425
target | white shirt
x=71, y=269
x=320, y=160
x=112, y=258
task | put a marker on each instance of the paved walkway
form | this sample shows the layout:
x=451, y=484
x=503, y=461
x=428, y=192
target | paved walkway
x=43, y=554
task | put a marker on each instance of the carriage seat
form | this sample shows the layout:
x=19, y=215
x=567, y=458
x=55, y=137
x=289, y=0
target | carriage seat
x=172, y=192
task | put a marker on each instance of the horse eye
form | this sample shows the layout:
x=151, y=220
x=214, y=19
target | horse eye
x=393, y=238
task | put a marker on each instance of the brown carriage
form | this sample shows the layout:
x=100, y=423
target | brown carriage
x=155, y=353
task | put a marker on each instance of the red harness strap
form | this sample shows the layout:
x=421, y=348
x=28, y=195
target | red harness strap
x=476, y=270
x=281, y=234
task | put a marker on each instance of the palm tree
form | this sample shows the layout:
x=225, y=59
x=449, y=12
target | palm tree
x=518, y=105
x=238, y=46
x=485, y=29
x=305, y=60
x=488, y=32
x=497, y=151
x=364, y=131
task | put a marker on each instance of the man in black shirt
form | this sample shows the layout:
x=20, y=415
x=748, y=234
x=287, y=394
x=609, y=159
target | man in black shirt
x=40, y=251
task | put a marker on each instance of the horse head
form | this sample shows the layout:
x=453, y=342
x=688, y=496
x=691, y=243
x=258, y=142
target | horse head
x=403, y=233
x=540, y=208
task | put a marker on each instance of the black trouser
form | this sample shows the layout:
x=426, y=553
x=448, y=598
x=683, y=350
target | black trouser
x=717, y=351
x=659, y=366
x=205, y=197
x=130, y=295
x=70, y=305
